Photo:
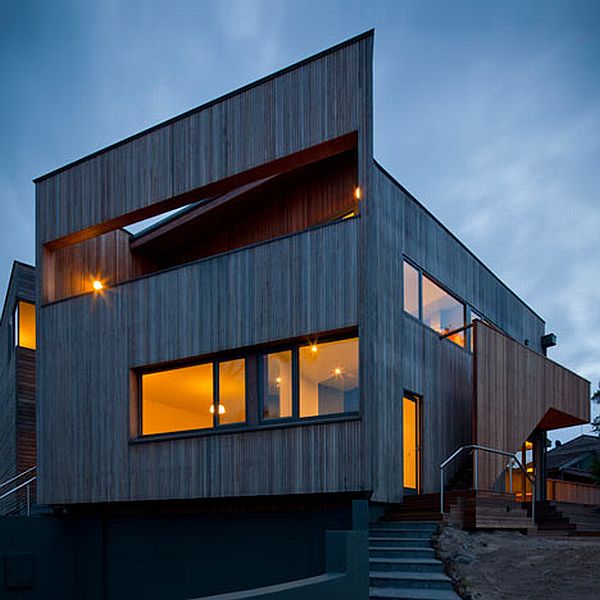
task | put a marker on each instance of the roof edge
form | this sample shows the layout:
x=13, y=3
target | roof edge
x=353, y=40
x=455, y=237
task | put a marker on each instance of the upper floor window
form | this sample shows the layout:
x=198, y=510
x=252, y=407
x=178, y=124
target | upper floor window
x=442, y=312
x=426, y=300
x=24, y=322
x=277, y=390
x=411, y=290
x=178, y=399
x=329, y=378
x=292, y=382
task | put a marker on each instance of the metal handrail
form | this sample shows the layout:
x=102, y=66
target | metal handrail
x=18, y=476
x=476, y=448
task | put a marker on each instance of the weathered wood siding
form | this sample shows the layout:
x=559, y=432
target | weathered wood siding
x=281, y=289
x=320, y=99
x=518, y=391
x=17, y=381
x=401, y=354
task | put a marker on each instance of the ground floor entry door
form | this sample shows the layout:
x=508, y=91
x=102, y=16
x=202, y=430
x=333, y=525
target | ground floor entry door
x=411, y=441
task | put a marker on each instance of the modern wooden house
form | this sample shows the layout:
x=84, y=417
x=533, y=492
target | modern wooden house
x=302, y=327
x=17, y=387
x=301, y=332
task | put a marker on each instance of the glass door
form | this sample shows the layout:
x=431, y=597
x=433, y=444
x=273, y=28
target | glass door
x=411, y=442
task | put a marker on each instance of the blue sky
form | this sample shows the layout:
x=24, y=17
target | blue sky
x=489, y=112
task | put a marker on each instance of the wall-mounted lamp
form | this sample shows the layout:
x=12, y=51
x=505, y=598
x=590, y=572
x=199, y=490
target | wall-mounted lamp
x=357, y=193
x=97, y=285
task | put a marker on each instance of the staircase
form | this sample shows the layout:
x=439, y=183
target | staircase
x=402, y=562
x=562, y=518
x=18, y=494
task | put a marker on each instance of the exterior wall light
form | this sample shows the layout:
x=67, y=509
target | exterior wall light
x=97, y=285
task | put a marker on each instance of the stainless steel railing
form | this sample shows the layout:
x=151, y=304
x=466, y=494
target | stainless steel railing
x=11, y=501
x=476, y=449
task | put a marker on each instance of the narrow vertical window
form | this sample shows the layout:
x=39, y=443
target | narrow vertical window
x=177, y=399
x=277, y=390
x=232, y=391
x=442, y=312
x=329, y=378
x=411, y=290
x=25, y=325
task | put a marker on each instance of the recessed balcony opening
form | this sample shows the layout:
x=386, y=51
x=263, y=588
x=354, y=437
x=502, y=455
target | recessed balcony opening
x=268, y=207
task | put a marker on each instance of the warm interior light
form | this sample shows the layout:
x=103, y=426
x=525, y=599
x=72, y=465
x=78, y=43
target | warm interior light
x=97, y=285
x=221, y=409
x=337, y=371
x=278, y=380
x=357, y=193
x=314, y=348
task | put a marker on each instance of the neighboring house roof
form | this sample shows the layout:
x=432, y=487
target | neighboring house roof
x=575, y=456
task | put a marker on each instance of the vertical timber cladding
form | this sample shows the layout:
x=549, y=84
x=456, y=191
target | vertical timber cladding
x=404, y=355
x=84, y=419
x=518, y=391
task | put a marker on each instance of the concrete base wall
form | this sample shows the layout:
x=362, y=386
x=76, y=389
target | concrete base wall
x=152, y=556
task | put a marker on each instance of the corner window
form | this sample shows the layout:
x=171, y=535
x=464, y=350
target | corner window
x=277, y=387
x=329, y=378
x=24, y=323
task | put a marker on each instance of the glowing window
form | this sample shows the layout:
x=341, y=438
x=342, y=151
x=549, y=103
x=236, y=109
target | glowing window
x=442, y=312
x=410, y=439
x=25, y=325
x=411, y=290
x=329, y=378
x=232, y=391
x=177, y=399
x=277, y=393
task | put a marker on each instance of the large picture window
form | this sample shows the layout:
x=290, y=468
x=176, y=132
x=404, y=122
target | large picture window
x=329, y=378
x=177, y=400
x=289, y=383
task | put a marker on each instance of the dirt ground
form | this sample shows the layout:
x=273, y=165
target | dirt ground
x=507, y=565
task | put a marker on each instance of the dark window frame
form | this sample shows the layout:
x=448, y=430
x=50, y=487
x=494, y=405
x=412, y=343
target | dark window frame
x=250, y=355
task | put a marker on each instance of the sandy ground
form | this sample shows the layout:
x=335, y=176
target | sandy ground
x=503, y=566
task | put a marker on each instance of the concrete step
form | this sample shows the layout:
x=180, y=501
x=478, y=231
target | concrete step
x=408, y=552
x=382, y=593
x=410, y=579
x=401, y=533
x=431, y=526
x=393, y=542
x=414, y=565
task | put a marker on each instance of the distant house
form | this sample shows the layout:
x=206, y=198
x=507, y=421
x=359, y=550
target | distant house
x=572, y=461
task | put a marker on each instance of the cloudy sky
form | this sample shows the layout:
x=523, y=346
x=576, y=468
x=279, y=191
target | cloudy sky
x=489, y=112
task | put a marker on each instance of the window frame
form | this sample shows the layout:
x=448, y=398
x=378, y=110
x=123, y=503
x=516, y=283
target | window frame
x=254, y=401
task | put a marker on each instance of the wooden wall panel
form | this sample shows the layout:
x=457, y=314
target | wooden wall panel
x=282, y=205
x=518, y=391
x=71, y=270
x=285, y=288
x=321, y=99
